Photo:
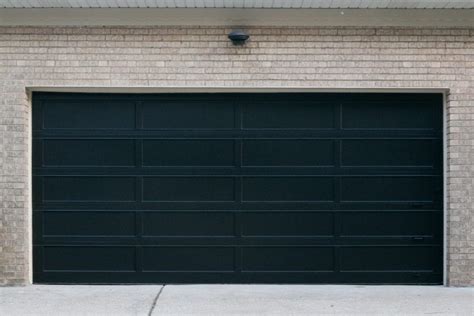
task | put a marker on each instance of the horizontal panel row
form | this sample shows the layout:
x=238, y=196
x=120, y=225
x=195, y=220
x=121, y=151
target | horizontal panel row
x=253, y=189
x=290, y=152
x=251, y=224
x=264, y=258
x=277, y=111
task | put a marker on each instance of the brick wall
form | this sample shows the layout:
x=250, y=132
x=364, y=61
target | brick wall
x=199, y=56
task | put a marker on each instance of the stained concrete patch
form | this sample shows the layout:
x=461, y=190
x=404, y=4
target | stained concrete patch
x=314, y=300
x=53, y=300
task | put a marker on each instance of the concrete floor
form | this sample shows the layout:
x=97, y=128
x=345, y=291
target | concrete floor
x=272, y=300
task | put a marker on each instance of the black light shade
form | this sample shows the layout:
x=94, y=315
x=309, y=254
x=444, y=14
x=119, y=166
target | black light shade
x=238, y=37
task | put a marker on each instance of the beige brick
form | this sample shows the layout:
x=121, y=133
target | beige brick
x=326, y=57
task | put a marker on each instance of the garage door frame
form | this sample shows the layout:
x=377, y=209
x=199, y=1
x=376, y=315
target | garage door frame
x=263, y=90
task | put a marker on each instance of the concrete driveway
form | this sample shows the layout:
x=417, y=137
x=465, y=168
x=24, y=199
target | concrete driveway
x=235, y=300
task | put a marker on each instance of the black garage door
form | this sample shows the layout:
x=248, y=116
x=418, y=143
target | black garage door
x=237, y=188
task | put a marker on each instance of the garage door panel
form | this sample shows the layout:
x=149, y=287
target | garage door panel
x=188, y=189
x=303, y=189
x=91, y=114
x=159, y=153
x=290, y=223
x=90, y=152
x=389, y=258
x=388, y=189
x=425, y=224
x=379, y=111
x=186, y=224
x=288, y=259
x=88, y=258
x=237, y=188
x=274, y=114
x=188, y=259
x=388, y=152
x=88, y=189
x=187, y=114
x=88, y=224
x=289, y=152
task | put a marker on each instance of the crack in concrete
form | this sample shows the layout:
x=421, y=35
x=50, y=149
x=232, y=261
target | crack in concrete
x=153, y=305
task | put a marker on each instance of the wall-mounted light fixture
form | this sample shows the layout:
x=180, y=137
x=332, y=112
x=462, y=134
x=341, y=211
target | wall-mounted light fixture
x=238, y=37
